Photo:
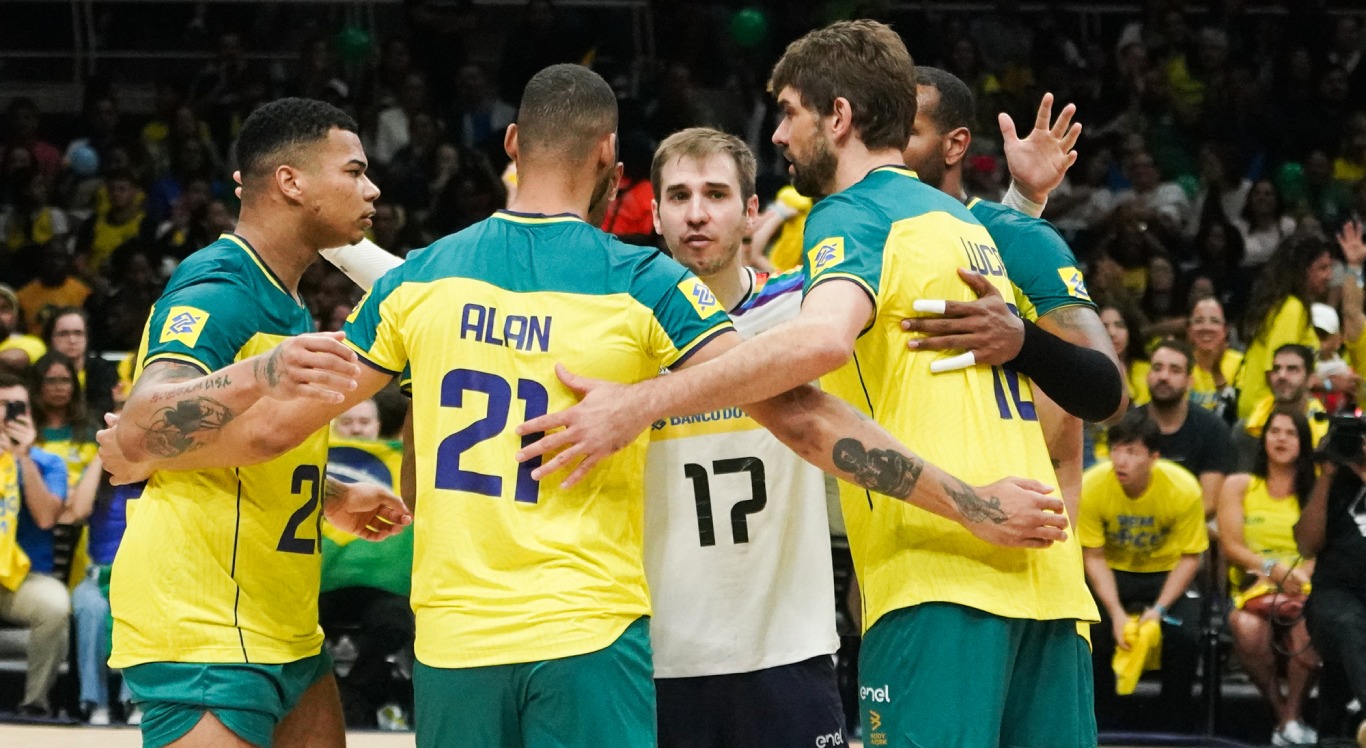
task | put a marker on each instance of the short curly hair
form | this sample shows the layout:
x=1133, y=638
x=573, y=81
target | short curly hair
x=275, y=131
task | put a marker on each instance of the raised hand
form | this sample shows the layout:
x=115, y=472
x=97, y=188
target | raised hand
x=1039, y=161
x=316, y=366
x=1353, y=248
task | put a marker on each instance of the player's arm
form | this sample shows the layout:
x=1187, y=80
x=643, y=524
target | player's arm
x=1086, y=379
x=1062, y=433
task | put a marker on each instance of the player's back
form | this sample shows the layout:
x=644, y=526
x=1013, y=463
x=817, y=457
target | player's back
x=902, y=241
x=222, y=565
x=1043, y=271
x=508, y=569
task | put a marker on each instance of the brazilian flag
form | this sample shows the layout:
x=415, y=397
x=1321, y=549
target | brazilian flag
x=349, y=561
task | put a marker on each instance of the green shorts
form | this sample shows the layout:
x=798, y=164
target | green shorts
x=604, y=698
x=248, y=699
x=939, y=674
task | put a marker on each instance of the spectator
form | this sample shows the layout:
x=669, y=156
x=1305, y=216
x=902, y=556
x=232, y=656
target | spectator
x=421, y=168
x=67, y=331
x=1161, y=203
x=1257, y=516
x=392, y=126
x=472, y=195
x=1218, y=255
x=55, y=286
x=629, y=215
x=121, y=312
x=390, y=229
x=22, y=125
x=32, y=218
x=1142, y=531
x=1334, y=383
x=1297, y=275
x=65, y=429
x=17, y=350
x=1216, y=364
x=188, y=228
x=483, y=116
x=1332, y=531
x=1324, y=197
x=1263, y=223
x=221, y=87
x=1124, y=324
x=123, y=220
x=189, y=162
x=1188, y=436
x=1161, y=305
x=90, y=611
x=32, y=491
x=1288, y=381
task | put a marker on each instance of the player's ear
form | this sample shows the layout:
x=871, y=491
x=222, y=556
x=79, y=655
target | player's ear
x=288, y=179
x=841, y=118
x=607, y=150
x=654, y=213
x=751, y=210
x=956, y=144
x=510, y=141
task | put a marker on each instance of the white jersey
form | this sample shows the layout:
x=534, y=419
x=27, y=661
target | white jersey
x=737, y=542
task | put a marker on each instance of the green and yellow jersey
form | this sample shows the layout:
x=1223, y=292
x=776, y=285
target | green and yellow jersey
x=508, y=569
x=1043, y=271
x=901, y=240
x=222, y=565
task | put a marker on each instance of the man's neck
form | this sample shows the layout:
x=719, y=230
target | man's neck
x=1299, y=405
x=1136, y=487
x=855, y=161
x=279, y=243
x=952, y=184
x=551, y=192
x=730, y=284
x=1170, y=416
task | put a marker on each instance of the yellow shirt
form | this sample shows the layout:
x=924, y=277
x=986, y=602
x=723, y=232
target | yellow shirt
x=507, y=569
x=1203, y=390
x=222, y=565
x=900, y=240
x=1268, y=527
x=1138, y=382
x=1146, y=533
x=34, y=296
x=14, y=563
x=787, y=248
x=29, y=344
x=1256, y=421
x=1289, y=323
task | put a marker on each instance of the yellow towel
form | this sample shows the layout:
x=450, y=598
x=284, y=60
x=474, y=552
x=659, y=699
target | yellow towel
x=1144, y=653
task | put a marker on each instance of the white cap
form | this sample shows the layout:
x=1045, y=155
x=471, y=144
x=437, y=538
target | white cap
x=1324, y=318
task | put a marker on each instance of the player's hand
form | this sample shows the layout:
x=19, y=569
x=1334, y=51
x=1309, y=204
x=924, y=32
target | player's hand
x=122, y=471
x=602, y=424
x=1117, y=628
x=985, y=329
x=21, y=434
x=1016, y=512
x=1039, y=161
x=1353, y=248
x=366, y=510
x=315, y=366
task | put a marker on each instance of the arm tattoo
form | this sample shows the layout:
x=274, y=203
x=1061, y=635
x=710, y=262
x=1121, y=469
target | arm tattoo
x=268, y=369
x=166, y=371
x=173, y=428
x=206, y=383
x=883, y=470
x=973, y=507
x=333, y=490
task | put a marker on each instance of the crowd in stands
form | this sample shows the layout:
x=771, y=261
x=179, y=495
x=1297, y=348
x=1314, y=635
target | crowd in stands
x=1216, y=209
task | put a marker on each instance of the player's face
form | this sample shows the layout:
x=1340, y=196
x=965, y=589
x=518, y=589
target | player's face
x=924, y=153
x=1206, y=329
x=1287, y=377
x=1168, y=379
x=701, y=214
x=804, y=143
x=1282, y=441
x=1133, y=463
x=339, y=193
x=360, y=422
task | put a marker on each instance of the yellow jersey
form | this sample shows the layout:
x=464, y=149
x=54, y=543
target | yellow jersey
x=507, y=569
x=1204, y=392
x=14, y=563
x=1145, y=533
x=900, y=240
x=222, y=565
x=1289, y=323
x=1268, y=527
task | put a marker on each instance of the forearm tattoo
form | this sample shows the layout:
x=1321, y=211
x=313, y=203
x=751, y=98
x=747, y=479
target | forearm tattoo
x=885, y=471
x=973, y=507
x=174, y=428
x=268, y=369
x=205, y=383
x=333, y=490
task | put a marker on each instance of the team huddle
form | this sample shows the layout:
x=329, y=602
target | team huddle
x=595, y=563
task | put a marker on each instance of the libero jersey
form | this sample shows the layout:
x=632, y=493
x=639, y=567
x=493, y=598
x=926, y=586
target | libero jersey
x=1043, y=271
x=737, y=544
x=900, y=240
x=508, y=569
x=222, y=565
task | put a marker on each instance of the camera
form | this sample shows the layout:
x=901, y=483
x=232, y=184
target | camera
x=1342, y=443
x=15, y=409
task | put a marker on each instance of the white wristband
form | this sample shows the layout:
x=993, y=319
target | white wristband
x=363, y=262
x=1016, y=199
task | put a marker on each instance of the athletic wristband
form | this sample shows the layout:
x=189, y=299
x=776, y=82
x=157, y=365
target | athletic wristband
x=1268, y=566
x=1016, y=199
x=1082, y=381
x=363, y=262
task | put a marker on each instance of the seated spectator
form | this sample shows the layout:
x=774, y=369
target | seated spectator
x=1334, y=382
x=1142, y=531
x=1257, y=516
x=1298, y=274
x=65, y=429
x=1289, y=384
x=1218, y=256
x=1216, y=364
x=1125, y=325
x=32, y=218
x=1263, y=223
x=55, y=286
x=120, y=312
x=67, y=332
x=1332, y=531
x=32, y=491
x=24, y=122
x=116, y=224
x=90, y=610
x=1160, y=304
x=365, y=586
x=1188, y=435
x=17, y=350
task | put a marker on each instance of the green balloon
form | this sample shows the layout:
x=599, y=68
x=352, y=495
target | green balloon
x=749, y=27
x=352, y=44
